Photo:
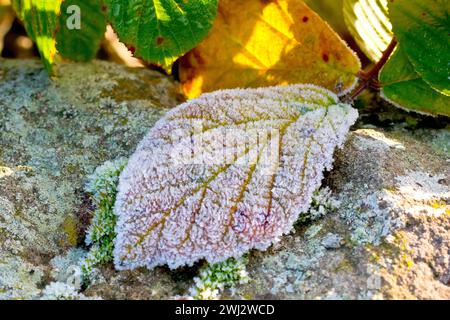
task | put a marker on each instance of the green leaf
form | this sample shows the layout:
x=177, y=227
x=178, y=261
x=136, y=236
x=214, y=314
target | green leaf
x=160, y=31
x=40, y=18
x=422, y=28
x=369, y=24
x=79, y=39
x=405, y=88
x=225, y=173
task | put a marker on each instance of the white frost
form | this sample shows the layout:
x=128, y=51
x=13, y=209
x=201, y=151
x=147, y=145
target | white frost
x=225, y=173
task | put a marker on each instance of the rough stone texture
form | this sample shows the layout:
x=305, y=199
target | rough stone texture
x=389, y=238
x=52, y=135
x=393, y=219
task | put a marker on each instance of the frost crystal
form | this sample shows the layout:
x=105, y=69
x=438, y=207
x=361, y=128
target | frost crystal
x=63, y=291
x=225, y=173
x=216, y=277
x=102, y=185
x=322, y=203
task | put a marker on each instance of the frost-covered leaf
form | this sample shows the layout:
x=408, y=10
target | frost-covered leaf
x=257, y=43
x=161, y=30
x=368, y=22
x=404, y=87
x=82, y=25
x=40, y=18
x=423, y=28
x=224, y=173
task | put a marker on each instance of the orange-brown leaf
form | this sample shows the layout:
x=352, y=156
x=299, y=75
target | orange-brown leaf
x=256, y=43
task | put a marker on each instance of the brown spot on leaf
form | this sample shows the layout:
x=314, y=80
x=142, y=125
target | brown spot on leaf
x=131, y=48
x=305, y=19
x=325, y=57
x=159, y=40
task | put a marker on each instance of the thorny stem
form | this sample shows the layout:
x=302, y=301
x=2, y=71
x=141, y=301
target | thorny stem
x=371, y=77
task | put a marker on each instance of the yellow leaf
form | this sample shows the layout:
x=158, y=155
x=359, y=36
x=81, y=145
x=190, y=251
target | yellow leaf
x=368, y=22
x=331, y=12
x=256, y=43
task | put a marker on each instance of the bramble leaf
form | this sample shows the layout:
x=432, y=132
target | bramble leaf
x=328, y=11
x=404, y=87
x=423, y=28
x=79, y=40
x=161, y=30
x=225, y=173
x=260, y=43
x=368, y=22
x=40, y=18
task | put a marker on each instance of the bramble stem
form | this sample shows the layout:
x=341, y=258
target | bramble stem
x=372, y=75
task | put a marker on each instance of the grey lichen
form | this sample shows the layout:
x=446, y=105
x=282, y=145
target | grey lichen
x=377, y=215
x=63, y=291
x=332, y=241
x=323, y=203
x=19, y=279
x=52, y=134
x=67, y=268
x=388, y=237
x=439, y=140
x=371, y=218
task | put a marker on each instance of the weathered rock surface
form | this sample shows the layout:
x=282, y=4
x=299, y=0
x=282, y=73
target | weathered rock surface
x=393, y=221
x=52, y=135
x=389, y=237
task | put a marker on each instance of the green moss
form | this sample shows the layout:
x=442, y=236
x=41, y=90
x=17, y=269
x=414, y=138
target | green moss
x=396, y=250
x=216, y=277
x=70, y=229
x=102, y=186
x=412, y=122
x=344, y=266
x=72, y=168
x=322, y=203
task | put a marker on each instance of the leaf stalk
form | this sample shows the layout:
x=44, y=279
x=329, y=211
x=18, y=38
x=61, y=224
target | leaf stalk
x=371, y=78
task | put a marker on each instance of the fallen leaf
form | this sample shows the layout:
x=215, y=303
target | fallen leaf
x=255, y=43
x=225, y=173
